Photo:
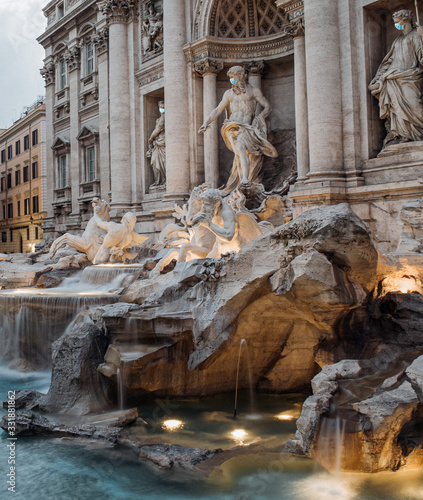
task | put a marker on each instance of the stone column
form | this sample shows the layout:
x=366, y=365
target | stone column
x=324, y=91
x=73, y=60
x=101, y=41
x=296, y=31
x=176, y=99
x=255, y=71
x=209, y=69
x=47, y=168
x=118, y=13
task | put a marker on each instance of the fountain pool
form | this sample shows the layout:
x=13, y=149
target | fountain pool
x=79, y=470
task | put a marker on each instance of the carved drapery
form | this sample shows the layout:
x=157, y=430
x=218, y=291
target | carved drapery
x=245, y=18
x=119, y=11
x=101, y=41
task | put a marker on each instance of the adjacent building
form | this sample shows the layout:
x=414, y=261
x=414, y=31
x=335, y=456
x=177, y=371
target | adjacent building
x=22, y=181
x=110, y=62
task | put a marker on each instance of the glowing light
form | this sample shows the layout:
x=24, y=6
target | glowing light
x=238, y=435
x=405, y=281
x=285, y=416
x=172, y=425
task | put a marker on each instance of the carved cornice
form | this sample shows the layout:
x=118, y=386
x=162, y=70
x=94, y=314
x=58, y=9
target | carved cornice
x=101, y=41
x=289, y=6
x=296, y=29
x=208, y=66
x=48, y=73
x=254, y=67
x=73, y=58
x=234, y=51
x=150, y=74
x=119, y=11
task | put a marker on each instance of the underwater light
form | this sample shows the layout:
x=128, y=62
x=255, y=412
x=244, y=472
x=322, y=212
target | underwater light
x=284, y=416
x=172, y=425
x=239, y=435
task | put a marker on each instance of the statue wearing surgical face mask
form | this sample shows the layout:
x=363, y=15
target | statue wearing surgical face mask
x=157, y=149
x=397, y=84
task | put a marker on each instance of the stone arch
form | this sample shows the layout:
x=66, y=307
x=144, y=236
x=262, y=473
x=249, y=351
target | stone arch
x=60, y=47
x=85, y=29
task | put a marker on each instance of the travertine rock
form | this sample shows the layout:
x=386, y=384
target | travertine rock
x=168, y=456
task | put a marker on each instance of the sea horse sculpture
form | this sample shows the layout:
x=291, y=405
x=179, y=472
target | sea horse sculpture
x=91, y=239
x=213, y=229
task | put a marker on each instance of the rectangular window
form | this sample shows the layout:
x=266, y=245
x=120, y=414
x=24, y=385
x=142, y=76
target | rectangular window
x=26, y=173
x=17, y=147
x=62, y=74
x=17, y=177
x=90, y=58
x=35, y=137
x=60, y=10
x=4, y=211
x=62, y=171
x=3, y=156
x=90, y=164
x=35, y=170
x=37, y=235
x=19, y=208
x=26, y=142
x=27, y=233
x=26, y=206
x=35, y=206
x=9, y=152
x=10, y=210
x=11, y=235
x=3, y=237
x=3, y=184
x=9, y=180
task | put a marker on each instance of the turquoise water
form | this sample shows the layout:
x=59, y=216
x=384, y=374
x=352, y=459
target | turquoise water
x=50, y=468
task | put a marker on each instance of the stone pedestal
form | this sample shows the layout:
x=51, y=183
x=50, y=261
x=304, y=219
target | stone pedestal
x=324, y=91
x=209, y=69
x=176, y=99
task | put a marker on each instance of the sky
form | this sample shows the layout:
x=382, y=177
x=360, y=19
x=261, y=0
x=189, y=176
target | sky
x=21, y=56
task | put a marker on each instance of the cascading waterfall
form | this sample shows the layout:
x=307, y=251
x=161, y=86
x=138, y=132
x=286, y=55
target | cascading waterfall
x=31, y=319
x=243, y=342
x=109, y=273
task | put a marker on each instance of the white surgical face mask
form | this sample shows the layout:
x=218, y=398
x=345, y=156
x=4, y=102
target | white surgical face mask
x=233, y=81
x=161, y=110
x=399, y=26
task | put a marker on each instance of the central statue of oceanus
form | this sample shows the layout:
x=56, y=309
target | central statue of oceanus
x=244, y=133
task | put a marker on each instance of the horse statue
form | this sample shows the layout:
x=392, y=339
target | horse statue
x=212, y=228
x=91, y=239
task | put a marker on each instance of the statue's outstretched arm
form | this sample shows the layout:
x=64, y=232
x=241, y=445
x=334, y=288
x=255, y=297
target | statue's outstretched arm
x=215, y=113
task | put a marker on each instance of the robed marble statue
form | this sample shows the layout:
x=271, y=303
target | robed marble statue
x=244, y=132
x=397, y=84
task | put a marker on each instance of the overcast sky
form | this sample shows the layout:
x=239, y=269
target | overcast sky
x=21, y=57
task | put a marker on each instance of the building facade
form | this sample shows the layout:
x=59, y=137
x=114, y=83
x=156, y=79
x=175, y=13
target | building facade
x=22, y=181
x=109, y=64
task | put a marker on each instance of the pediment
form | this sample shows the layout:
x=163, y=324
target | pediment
x=87, y=133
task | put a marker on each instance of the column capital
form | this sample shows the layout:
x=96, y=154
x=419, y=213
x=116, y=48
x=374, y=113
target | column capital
x=48, y=73
x=208, y=66
x=73, y=57
x=254, y=68
x=296, y=27
x=101, y=40
x=118, y=11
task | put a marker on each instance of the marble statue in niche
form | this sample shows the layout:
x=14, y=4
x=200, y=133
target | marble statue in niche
x=244, y=133
x=397, y=84
x=157, y=149
x=152, y=29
